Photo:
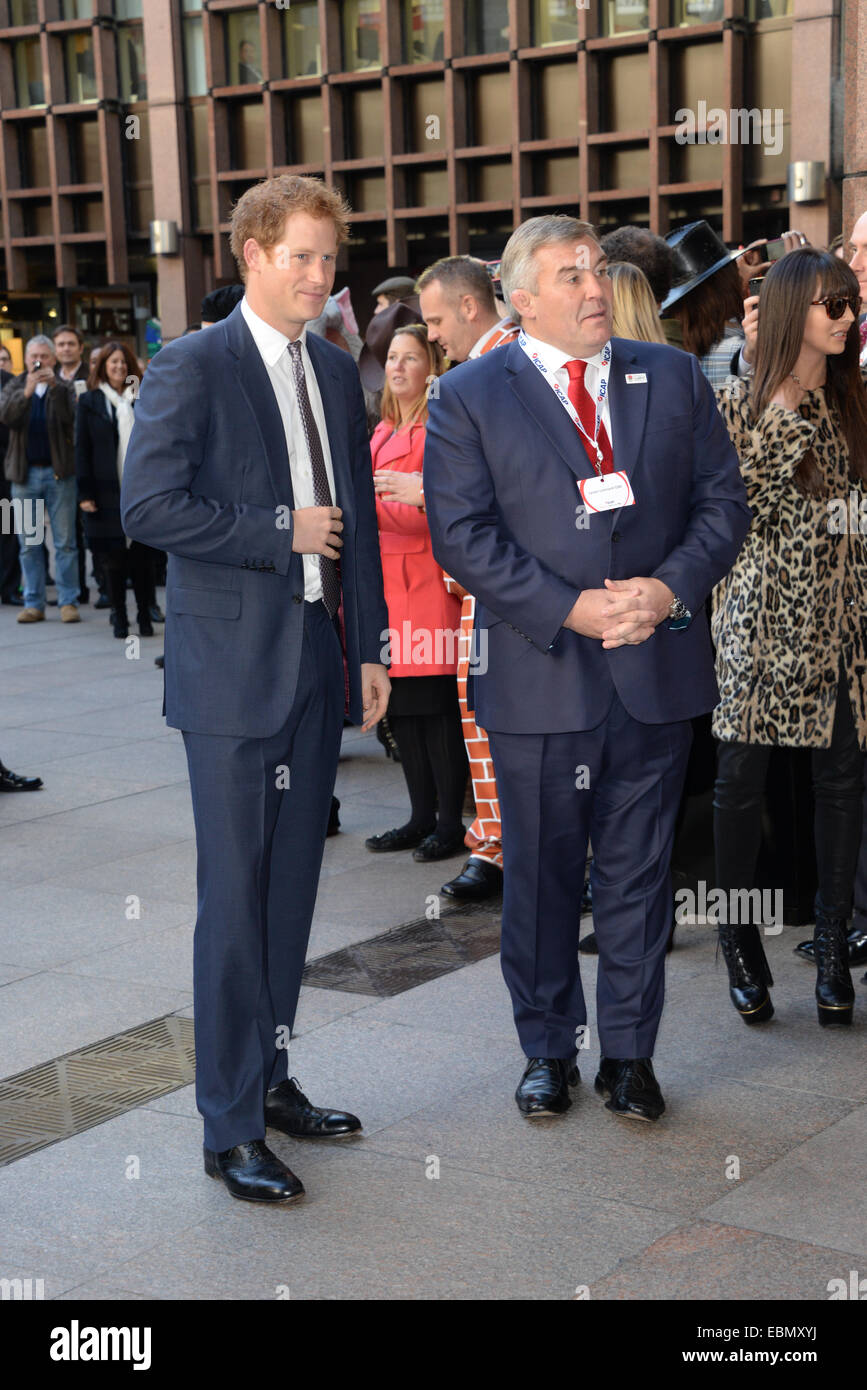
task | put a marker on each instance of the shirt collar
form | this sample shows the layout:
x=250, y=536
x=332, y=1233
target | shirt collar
x=554, y=358
x=270, y=341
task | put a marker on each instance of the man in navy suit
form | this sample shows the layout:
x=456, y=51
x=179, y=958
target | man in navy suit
x=585, y=489
x=249, y=464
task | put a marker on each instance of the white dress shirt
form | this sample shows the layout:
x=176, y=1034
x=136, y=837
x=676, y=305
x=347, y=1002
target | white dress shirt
x=273, y=347
x=555, y=361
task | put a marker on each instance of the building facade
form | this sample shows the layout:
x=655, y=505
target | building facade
x=444, y=121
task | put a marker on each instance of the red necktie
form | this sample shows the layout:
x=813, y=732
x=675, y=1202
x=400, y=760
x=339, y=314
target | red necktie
x=586, y=409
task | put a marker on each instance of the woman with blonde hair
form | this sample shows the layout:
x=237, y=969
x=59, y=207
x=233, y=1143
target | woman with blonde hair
x=635, y=313
x=423, y=618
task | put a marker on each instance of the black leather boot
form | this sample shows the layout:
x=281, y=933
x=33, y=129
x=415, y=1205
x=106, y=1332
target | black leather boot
x=835, y=993
x=749, y=972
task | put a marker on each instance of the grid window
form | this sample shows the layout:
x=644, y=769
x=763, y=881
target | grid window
x=302, y=50
x=130, y=9
x=629, y=16
x=422, y=30
x=487, y=26
x=24, y=12
x=131, y=62
x=242, y=48
x=76, y=9
x=194, y=58
x=80, y=73
x=29, y=83
x=697, y=11
x=554, y=21
x=362, y=34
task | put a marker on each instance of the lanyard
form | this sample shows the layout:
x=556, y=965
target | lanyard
x=564, y=399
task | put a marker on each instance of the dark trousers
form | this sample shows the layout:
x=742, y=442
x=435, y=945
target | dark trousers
x=619, y=784
x=838, y=774
x=135, y=562
x=859, y=915
x=10, y=563
x=259, y=848
x=433, y=756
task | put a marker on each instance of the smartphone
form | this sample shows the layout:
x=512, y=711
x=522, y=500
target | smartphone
x=755, y=285
x=37, y=366
x=776, y=249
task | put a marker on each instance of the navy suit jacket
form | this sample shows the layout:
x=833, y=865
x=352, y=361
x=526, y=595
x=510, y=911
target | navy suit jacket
x=205, y=476
x=501, y=468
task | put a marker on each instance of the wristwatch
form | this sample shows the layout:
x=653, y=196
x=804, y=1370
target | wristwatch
x=678, y=614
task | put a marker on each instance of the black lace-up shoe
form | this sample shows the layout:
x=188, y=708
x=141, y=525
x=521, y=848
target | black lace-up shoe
x=253, y=1173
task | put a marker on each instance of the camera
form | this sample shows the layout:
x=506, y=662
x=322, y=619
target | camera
x=37, y=366
x=755, y=285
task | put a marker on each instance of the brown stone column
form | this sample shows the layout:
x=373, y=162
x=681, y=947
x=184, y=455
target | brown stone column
x=181, y=277
x=854, y=113
x=815, y=40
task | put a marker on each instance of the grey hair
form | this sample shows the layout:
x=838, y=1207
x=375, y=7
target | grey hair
x=517, y=268
x=45, y=344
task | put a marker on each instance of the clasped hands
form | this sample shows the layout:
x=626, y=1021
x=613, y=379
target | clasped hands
x=625, y=613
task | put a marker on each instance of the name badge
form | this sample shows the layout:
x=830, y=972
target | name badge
x=636, y=378
x=605, y=493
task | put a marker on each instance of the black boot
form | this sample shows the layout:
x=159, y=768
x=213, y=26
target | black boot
x=749, y=972
x=835, y=993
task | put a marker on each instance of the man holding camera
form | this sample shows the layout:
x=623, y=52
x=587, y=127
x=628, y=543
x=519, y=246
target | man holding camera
x=39, y=410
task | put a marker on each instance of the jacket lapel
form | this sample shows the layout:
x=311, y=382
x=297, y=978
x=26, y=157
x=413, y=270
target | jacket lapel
x=627, y=403
x=536, y=396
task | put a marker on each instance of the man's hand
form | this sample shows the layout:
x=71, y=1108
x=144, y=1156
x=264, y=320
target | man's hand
x=375, y=690
x=624, y=613
x=87, y=506
x=316, y=531
x=35, y=378
x=398, y=487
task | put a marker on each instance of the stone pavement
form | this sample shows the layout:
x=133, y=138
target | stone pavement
x=751, y=1187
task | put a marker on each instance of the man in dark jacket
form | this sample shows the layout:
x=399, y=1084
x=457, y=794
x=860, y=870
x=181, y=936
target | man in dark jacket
x=39, y=411
x=10, y=564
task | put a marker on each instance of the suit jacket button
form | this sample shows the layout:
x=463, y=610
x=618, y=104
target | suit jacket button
x=297, y=598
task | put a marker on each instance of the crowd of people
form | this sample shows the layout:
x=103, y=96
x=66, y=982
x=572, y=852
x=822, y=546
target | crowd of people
x=752, y=596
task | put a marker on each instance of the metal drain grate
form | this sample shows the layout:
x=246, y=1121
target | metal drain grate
x=63, y=1097
x=410, y=955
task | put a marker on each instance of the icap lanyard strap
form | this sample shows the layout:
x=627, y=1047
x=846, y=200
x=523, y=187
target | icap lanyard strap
x=564, y=400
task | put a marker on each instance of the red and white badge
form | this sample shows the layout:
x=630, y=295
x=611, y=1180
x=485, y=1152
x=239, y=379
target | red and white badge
x=606, y=492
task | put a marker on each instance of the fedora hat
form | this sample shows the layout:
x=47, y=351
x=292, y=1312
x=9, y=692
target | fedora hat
x=380, y=331
x=698, y=253
x=401, y=285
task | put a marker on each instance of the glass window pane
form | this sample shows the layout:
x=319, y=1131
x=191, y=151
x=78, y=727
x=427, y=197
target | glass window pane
x=80, y=74
x=131, y=62
x=627, y=16
x=554, y=21
x=697, y=11
x=769, y=9
x=191, y=5
x=77, y=9
x=422, y=25
x=242, y=51
x=29, y=84
x=487, y=26
x=129, y=9
x=362, y=20
x=302, y=51
x=194, y=58
x=25, y=12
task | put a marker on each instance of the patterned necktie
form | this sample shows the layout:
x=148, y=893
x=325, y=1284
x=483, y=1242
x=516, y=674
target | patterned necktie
x=328, y=570
x=586, y=408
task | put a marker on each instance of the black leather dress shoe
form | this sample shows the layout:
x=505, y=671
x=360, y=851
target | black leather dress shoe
x=156, y=613
x=289, y=1110
x=160, y=661
x=857, y=941
x=253, y=1173
x=400, y=838
x=544, y=1087
x=436, y=846
x=476, y=881
x=14, y=782
x=103, y=601
x=632, y=1089
x=333, y=818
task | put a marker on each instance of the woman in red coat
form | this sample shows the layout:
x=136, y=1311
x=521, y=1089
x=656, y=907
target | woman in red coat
x=424, y=620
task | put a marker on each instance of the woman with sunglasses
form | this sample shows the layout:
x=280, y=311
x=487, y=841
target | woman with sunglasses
x=789, y=620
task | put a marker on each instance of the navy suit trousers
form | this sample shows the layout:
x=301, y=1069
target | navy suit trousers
x=259, y=847
x=618, y=785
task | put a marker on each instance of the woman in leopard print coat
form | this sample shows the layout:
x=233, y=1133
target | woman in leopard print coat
x=789, y=621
